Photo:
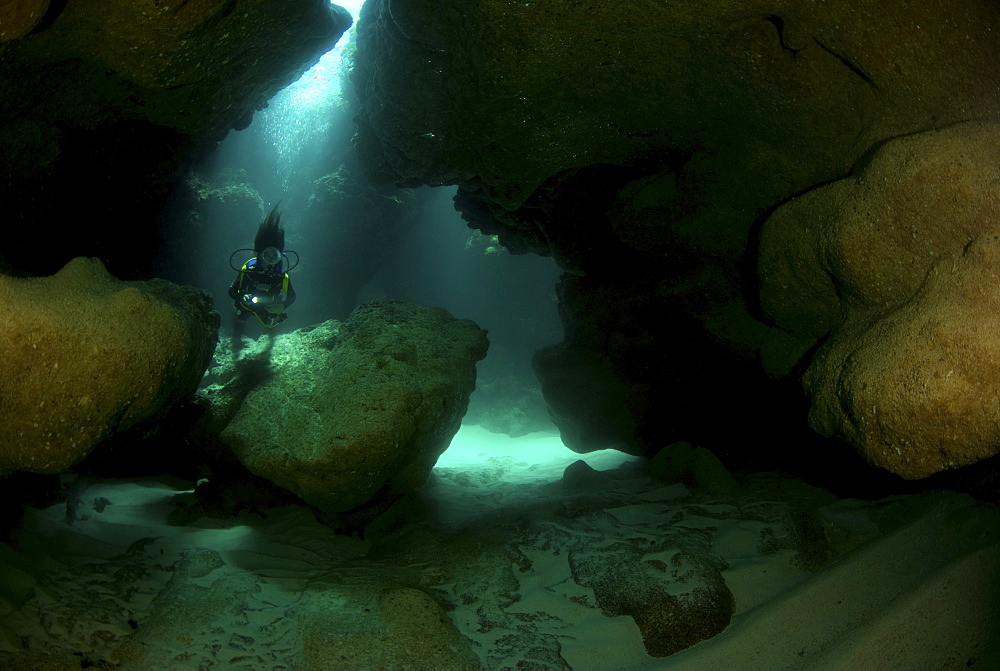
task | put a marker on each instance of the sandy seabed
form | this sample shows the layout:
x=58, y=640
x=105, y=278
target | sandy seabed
x=515, y=562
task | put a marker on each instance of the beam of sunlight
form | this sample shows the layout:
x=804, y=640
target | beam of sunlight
x=299, y=118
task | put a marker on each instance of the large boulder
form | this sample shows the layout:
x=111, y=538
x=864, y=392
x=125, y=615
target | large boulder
x=352, y=416
x=86, y=356
x=897, y=270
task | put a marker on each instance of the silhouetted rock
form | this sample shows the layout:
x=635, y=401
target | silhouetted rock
x=352, y=416
x=699, y=469
x=91, y=356
x=104, y=103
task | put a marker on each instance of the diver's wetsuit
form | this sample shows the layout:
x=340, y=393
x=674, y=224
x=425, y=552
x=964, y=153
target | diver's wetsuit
x=257, y=287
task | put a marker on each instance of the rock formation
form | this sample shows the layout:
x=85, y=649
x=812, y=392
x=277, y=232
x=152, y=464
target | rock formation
x=625, y=584
x=104, y=102
x=640, y=146
x=352, y=416
x=895, y=273
x=388, y=627
x=87, y=356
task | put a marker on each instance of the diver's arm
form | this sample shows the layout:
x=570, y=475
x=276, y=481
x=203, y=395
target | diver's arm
x=234, y=288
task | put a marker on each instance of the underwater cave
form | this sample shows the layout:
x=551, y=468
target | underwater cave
x=540, y=335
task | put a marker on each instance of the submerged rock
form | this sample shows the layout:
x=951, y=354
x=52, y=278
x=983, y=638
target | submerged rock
x=19, y=17
x=389, y=628
x=897, y=269
x=352, y=416
x=626, y=584
x=699, y=469
x=91, y=356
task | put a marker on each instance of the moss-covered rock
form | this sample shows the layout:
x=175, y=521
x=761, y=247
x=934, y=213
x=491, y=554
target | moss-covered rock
x=352, y=416
x=87, y=356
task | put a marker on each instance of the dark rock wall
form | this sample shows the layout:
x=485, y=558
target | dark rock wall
x=640, y=145
x=103, y=103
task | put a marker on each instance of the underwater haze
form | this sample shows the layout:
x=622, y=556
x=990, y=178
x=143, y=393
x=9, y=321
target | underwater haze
x=354, y=242
x=327, y=500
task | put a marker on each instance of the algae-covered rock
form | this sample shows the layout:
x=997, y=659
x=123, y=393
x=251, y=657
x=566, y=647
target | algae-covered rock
x=356, y=414
x=670, y=619
x=377, y=624
x=86, y=356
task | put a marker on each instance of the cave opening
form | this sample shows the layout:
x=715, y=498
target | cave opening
x=640, y=162
x=358, y=242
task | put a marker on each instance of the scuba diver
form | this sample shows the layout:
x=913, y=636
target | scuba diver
x=262, y=286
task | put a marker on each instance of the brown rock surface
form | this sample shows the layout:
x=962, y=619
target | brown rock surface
x=503, y=98
x=353, y=416
x=87, y=356
x=624, y=584
x=898, y=269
